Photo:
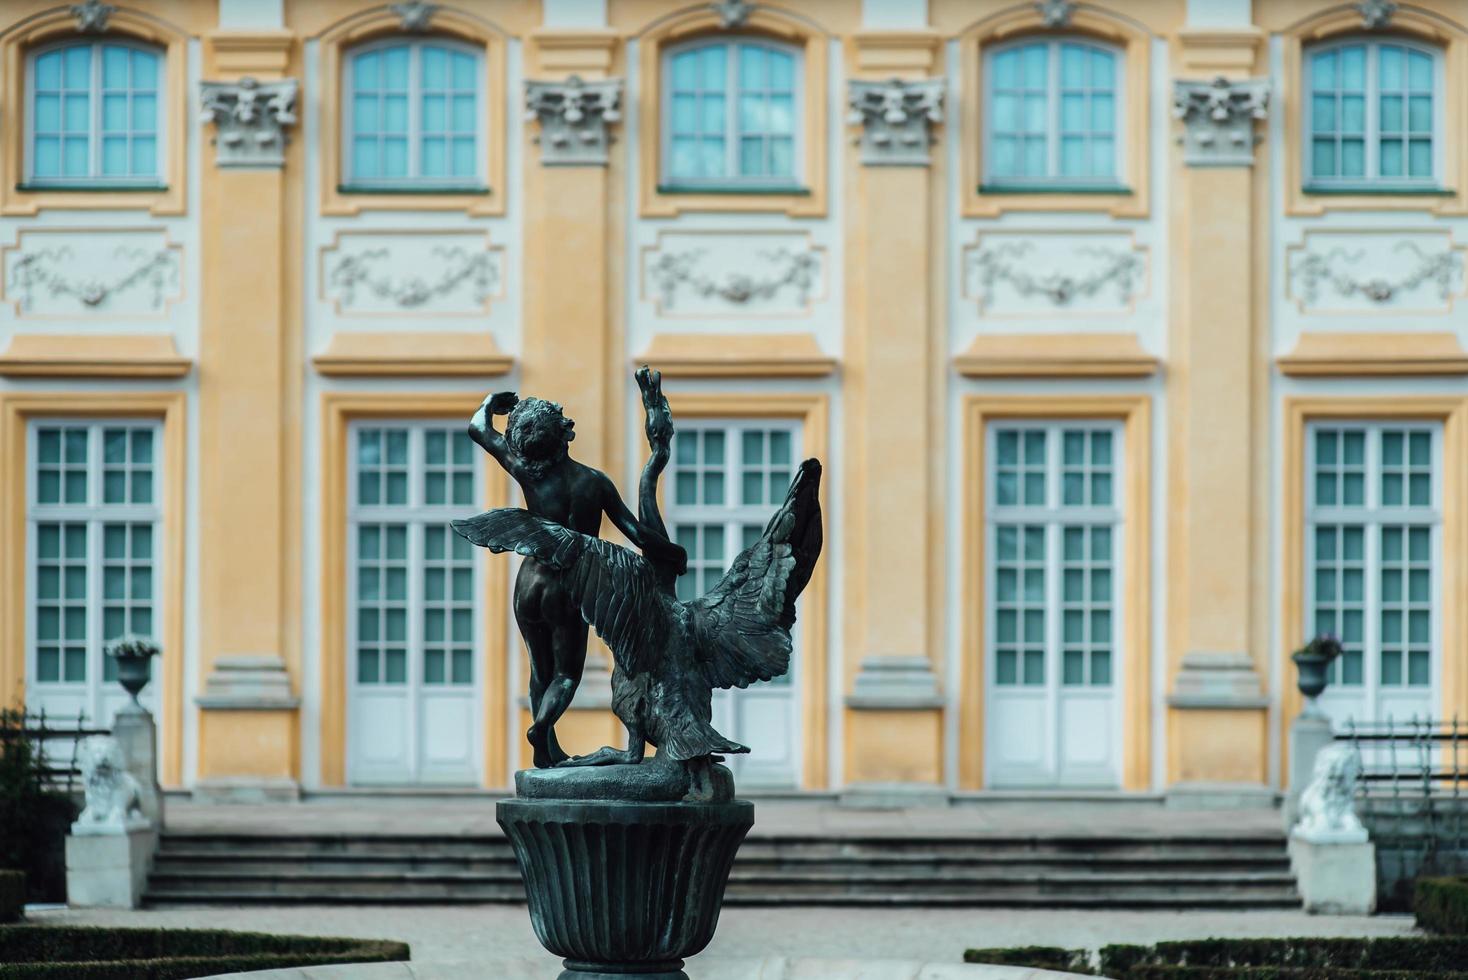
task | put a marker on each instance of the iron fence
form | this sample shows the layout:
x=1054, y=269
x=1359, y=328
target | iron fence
x=1411, y=796
x=57, y=741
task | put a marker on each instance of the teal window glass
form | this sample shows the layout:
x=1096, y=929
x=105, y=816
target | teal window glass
x=1372, y=113
x=731, y=113
x=1052, y=113
x=413, y=114
x=94, y=113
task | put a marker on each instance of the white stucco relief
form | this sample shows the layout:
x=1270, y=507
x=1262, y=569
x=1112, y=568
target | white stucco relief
x=397, y=273
x=1375, y=271
x=83, y=273
x=1054, y=274
x=733, y=274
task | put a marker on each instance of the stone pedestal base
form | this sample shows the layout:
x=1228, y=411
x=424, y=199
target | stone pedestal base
x=108, y=870
x=624, y=890
x=1335, y=878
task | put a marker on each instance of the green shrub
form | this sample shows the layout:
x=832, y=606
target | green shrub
x=12, y=895
x=35, y=820
x=32, y=952
x=1385, y=958
x=1441, y=905
x=1035, y=957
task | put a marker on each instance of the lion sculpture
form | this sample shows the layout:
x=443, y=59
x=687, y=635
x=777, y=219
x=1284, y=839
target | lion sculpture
x=114, y=797
x=1327, y=807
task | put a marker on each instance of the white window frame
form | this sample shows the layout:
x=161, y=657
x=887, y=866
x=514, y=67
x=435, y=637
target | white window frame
x=95, y=178
x=414, y=178
x=1372, y=179
x=1053, y=176
x=416, y=515
x=732, y=178
x=95, y=515
x=1372, y=515
x=1053, y=515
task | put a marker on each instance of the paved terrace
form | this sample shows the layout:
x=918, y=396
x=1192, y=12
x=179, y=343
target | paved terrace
x=473, y=815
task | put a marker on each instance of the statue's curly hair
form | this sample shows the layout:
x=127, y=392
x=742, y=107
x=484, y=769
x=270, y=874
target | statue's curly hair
x=538, y=432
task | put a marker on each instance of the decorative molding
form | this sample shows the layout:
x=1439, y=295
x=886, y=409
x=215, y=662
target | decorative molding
x=92, y=16
x=896, y=119
x=50, y=355
x=1056, y=355
x=745, y=274
x=1218, y=119
x=415, y=16
x=1376, y=14
x=412, y=353
x=575, y=119
x=87, y=272
x=1042, y=272
x=250, y=119
x=737, y=355
x=1386, y=354
x=396, y=273
x=1362, y=271
x=795, y=270
x=895, y=683
x=732, y=14
x=1055, y=13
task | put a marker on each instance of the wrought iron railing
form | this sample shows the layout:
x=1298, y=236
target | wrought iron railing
x=56, y=740
x=1411, y=796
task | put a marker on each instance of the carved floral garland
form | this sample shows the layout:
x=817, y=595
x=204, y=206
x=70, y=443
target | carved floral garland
x=796, y=270
x=1005, y=262
x=1315, y=268
x=355, y=272
x=42, y=269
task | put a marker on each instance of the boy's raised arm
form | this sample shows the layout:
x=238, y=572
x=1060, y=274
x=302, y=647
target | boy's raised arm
x=647, y=539
x=483, y=432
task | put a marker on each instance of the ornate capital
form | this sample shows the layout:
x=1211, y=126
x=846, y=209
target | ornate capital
x=1218, y=119
x=1055, y=13
x=415, y=15
x=575, y=117
x=896, y=119
x=92, y=16
x=250, y=119
x=1376, y=14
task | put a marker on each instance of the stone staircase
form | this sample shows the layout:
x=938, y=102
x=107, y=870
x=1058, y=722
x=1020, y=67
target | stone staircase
x=1249, y=871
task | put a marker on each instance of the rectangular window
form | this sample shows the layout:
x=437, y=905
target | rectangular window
x=1372, y=114
x=1053, y=522
x=93, y=516
x=1372, y=547
x=413, y=609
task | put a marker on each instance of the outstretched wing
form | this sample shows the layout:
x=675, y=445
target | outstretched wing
x=743, y=625
x=616, y=589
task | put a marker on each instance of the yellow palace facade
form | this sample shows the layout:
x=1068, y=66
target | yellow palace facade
x=1131, y=335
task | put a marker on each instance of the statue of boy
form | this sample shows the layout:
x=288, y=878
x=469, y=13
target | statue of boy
x=533, y=450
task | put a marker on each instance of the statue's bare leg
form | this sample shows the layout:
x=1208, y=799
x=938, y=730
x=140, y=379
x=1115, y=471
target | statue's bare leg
x=539, y=636
x=609, y=756
x=568, y=654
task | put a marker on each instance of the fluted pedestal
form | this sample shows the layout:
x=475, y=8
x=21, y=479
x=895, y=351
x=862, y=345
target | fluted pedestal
x=624, y=889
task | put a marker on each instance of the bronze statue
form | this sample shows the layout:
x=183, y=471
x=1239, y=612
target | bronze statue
x=669, y=655
x=534, y=450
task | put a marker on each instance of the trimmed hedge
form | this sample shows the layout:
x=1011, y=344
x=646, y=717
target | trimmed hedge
x=1034, y=957
x=33, y=952
x=1441, y=905
x=1385, y=958
x=12, y=895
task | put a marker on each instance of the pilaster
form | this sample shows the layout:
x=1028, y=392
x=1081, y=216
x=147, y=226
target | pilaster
x=1217, y=708
x=572, y=348
x=894, y=713
x=248, y=363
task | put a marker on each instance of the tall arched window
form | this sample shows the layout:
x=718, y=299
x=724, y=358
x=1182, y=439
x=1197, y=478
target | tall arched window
x=1373, y=113
x=1052, y=113
x=94, y=114
x=413, y=114
x=731, y=111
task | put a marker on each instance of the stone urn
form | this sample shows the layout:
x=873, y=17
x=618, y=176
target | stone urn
x=1313, y=661
x=624, y=878
x=133, y=656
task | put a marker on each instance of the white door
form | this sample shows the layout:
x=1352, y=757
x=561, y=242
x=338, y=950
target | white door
x=1052, y=624
x=93, y=513
x=728, y=477
x=414, y=628
x=1372, y=553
